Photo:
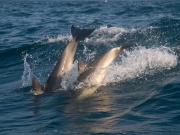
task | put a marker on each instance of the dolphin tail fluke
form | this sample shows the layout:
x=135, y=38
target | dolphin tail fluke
x=79, y=34
x=37, y=88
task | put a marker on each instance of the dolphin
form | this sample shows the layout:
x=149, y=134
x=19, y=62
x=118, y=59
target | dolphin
x=64, y=63
x=92, y=75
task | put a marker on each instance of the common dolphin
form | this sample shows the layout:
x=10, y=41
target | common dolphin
x=91, y=75
x=64, y=63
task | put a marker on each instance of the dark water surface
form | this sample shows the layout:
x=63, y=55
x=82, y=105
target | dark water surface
x=141, y=89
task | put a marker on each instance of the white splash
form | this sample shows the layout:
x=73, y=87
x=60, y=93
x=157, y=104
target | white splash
x=137, y=63
x=141, y=61
x=69, y=78
x=27, y=74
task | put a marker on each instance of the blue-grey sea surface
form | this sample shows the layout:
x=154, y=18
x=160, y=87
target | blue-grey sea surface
x=141, y=90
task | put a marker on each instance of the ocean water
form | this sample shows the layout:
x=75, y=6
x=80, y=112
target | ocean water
x=141, y=91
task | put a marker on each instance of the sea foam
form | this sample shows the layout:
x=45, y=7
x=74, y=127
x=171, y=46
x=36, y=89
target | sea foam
x=101, y=35
x=106, y=35
x=139, y=62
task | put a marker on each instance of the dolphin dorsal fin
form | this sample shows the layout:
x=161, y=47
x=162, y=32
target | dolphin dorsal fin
x=81, y=66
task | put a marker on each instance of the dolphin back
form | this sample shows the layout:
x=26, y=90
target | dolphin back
x=80, y=34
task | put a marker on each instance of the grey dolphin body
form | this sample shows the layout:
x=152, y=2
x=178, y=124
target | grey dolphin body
x=64, y=64
x=91, y=75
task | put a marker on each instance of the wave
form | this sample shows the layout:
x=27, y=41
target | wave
x=141, y=61
x=104, y=34
x=90, y=10
x=156, y=32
